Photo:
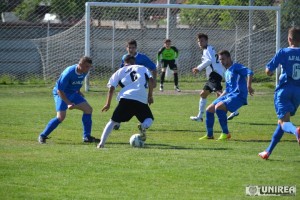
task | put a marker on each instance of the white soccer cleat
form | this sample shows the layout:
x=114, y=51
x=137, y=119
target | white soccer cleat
x=232, y=115
x=99, y=146
x=161, y=88
x=176, y=88
x=197, y=119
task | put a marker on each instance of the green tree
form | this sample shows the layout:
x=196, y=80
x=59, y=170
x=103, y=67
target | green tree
x=26, y=10
x=290, y=15
x=66, y=9
x=194, y=17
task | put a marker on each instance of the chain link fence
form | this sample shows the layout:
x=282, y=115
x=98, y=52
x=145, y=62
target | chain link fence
x=41, y=46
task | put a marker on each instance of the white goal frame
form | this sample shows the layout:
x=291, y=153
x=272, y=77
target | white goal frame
x=88, y=6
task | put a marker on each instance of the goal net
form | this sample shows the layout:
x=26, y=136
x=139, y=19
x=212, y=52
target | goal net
x=251, y=34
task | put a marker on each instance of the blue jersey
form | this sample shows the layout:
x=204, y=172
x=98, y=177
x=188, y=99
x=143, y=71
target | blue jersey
x=289, y=58
x=69, y=81
x=141, y=59
x=236, y=83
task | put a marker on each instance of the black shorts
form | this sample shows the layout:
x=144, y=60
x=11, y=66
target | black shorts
x=170, y=63
x=127, y=108
x=214, y=82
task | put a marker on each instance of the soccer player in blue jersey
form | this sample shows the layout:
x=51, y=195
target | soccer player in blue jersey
x=67, y=95
x=287, y=92
x=238, y=80
x=140, y=59
x=137, y=88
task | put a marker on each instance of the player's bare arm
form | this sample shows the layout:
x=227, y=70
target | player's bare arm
x=65, y=99
x=154, y=74
x=195, y=70
x=109, y=98
x=249, y=85
x=269, y=72
x=150, y=90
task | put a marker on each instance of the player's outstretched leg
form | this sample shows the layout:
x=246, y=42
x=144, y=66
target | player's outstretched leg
x=53, y=123
x=223, y=122
x=199, y=117
x=210, y=120
x=143, y=126
x=277, y=135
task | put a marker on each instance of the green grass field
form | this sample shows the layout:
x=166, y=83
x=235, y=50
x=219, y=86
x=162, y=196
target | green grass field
x=173, y=164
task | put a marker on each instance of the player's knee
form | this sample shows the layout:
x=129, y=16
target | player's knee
x=211, y=108
x=204, y=94
x=88, y=109
x=61, y=118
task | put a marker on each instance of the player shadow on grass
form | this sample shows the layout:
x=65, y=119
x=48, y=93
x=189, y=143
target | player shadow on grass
x=257, y=124
x=167, y=146
x=255, y=140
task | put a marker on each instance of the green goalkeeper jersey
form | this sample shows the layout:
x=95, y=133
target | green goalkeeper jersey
x=167, y=54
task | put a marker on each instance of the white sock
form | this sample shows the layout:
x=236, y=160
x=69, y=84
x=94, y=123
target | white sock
x=289, y=127
x=107, y=130
x=147, y=123
x=202, y=105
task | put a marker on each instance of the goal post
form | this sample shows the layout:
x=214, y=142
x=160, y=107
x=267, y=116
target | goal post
x=252, y=38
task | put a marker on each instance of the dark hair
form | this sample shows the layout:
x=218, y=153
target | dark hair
x=132, y=42
x=85, y=59
x=167, y=40
x=224, y=52
x=202, y=35
x=294, y=34
x=129, y=60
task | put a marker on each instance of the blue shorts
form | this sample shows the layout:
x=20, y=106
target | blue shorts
x=75, y=98
x=286, y=99
x=231, y=101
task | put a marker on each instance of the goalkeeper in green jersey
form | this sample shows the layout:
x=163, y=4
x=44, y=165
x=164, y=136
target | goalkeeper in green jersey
x=167, y=56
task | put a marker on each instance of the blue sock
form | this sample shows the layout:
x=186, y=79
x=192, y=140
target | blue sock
x=210, y=120
x=87, y=124
x=52, y=124
x=222, y=120
x=277, y=135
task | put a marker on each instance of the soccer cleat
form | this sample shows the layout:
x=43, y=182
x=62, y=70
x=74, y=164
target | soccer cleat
x=298, y=135
x=197, y=119
x=99, y=146
x=117, y=127
x=224, y=137
x=232, y=115
x=161, y=88
x=176, y=88
x=206, y=137
x=42, y=140
x=90, y=139
x=142, y=132
x=264, y=155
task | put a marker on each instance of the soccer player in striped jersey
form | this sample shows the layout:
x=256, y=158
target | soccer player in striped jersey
x=167, y=56
x=67, y=95
x=238, y=84
x=137, y=83
x=214, y=74
x=287, y=92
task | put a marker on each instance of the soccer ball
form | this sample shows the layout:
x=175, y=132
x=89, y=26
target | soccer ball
x=136, y=141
